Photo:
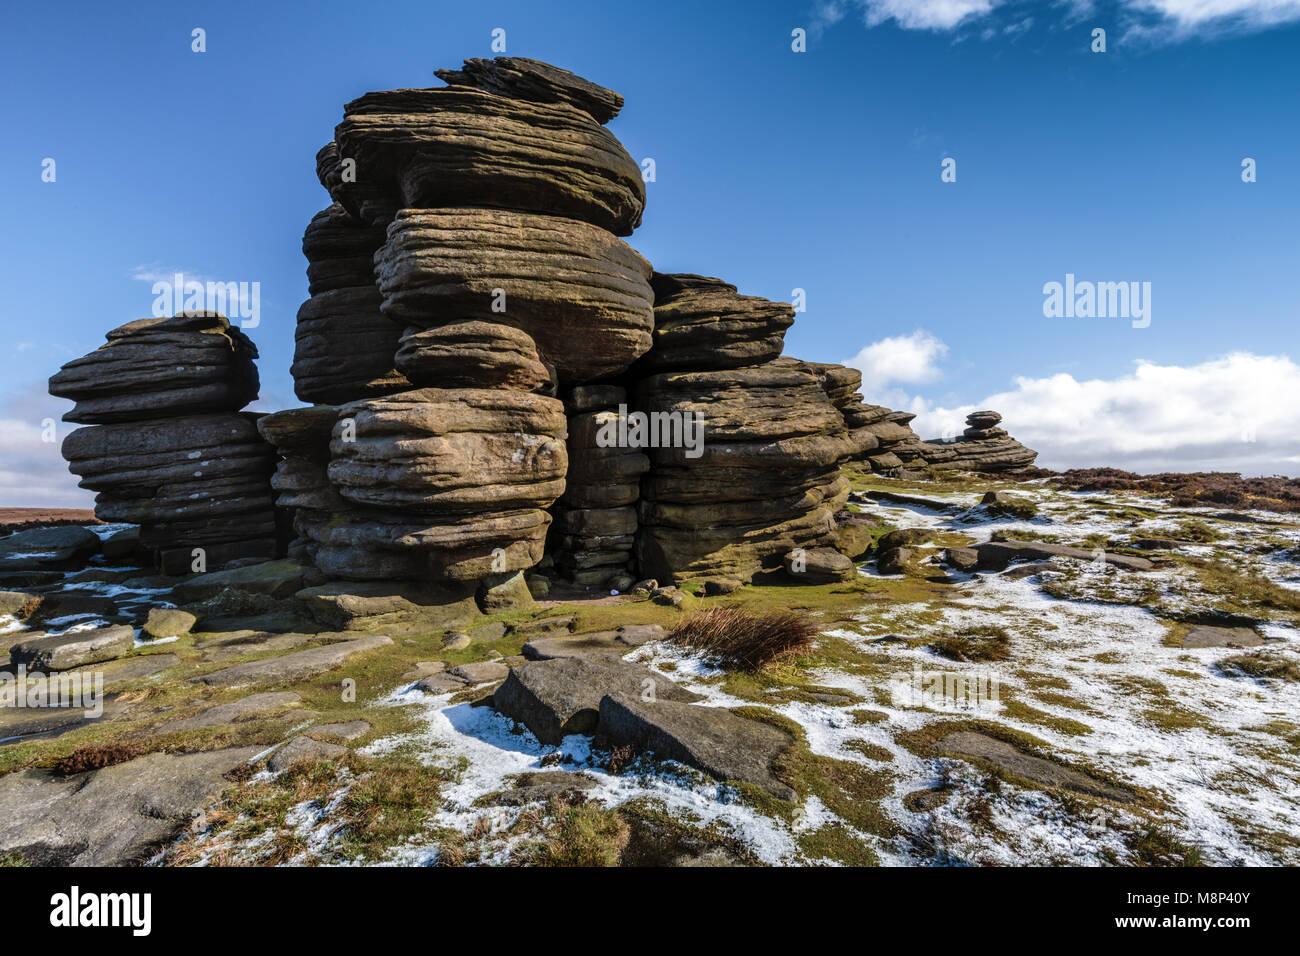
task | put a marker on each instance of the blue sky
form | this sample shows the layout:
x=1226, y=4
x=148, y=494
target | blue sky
x=775, y=169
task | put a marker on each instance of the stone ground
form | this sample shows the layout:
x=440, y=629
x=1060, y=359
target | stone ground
x=1064, y=712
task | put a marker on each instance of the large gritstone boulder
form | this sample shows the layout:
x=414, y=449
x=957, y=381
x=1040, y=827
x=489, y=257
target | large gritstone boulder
x=764, y=481
x=441, y=482
x=582, y=294
x=703, y=323
x=471, y=355
x=193, y=481
x=561, y=696
x=190, y=364
x=461, y=146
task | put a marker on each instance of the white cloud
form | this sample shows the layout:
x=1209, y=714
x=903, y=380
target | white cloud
x=902, y=359
x=1187, y=15
x=1145, y=19
x=32, y=472
x=156, y=272
x=1232, y=413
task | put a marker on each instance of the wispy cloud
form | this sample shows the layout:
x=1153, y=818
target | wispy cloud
x=157, y=272
x=1148, y=20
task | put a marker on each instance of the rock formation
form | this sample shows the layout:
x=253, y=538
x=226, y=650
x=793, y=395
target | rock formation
x=468, y=271
x=983, y=446
x=766, y=480
x=498, y=381
x=166, y=446
x=892, y=448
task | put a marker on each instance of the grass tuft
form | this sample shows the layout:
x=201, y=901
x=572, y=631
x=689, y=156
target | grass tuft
x=738, y=640
x=96, y=758
x=1261, y=666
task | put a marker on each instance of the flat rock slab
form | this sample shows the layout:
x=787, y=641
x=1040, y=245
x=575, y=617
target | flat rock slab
x=996, y=555
x=541, y=787
x=557, y=697
x=711, y=739
x=303, y=749
x=915, y=501
x=111, y=817
x=297, y=666
x=1208, y=636
x=391, y=608
x=350, y=730
x=1033, y=569
x=65, y=651
x=22, y=723
x=481, y=672
x=277, y=579
x=442, y=683
x=611, y=645
x=48, y=549
x=1005, y=756
x=224, y=651
x=120, y=672
x=251, y=706
x=424, y=669
x=543, y=627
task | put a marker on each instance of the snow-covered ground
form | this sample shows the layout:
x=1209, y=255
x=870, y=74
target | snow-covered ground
x=1217, y=779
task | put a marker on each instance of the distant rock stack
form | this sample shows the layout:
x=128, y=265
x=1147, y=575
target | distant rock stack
x=983, y=446
x=765, y=480
x=468, y=272
x=167, y=447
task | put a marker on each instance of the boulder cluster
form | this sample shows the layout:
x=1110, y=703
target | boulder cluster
x=166, y=445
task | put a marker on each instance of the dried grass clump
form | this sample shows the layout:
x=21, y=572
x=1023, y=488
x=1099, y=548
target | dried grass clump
x=738, y=640
x=96, y=758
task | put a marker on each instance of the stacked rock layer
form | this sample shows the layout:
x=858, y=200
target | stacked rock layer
x=593, y=538
x=765, y=480
x=167, y=447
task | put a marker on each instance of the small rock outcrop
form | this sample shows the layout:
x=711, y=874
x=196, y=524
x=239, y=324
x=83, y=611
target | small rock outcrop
x=166, y=446
x=983, y=446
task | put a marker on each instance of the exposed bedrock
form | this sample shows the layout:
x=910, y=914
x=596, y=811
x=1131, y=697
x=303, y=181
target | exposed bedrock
x=343, y=344
x=764, y=481
x=593, y=537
